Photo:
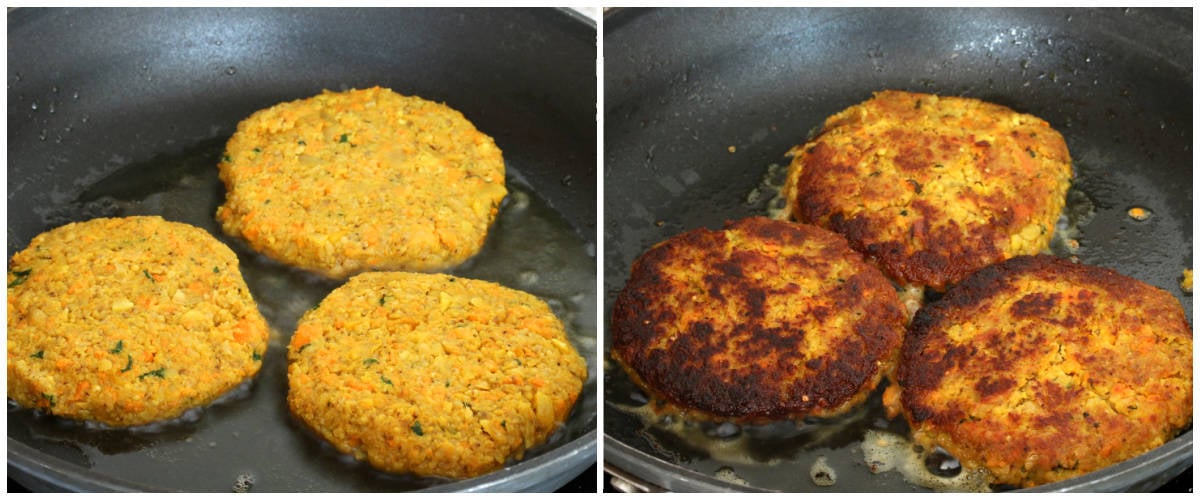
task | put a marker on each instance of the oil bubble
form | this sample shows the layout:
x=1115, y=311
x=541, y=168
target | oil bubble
x=724, y=431
x=528, y=277
x=517, y=200
x=942, y=464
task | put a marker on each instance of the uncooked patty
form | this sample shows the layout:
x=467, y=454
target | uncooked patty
x=345, y=182
x=1038, y=370
x=932, y=188
x=128, y=321
x=762, y=320
x=431, y=374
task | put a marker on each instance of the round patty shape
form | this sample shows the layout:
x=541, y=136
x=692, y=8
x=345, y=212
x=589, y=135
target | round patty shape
x=932, y=188
x=361, y=180
x=431, y=374
x=128, y=321
x=1038, y=370
x=762, y=320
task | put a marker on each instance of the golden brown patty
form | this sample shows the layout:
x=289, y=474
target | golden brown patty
x=765, y=319
x=932, y=188
x=1038, y=369
x=361, y=180
x=128, y=321
x=431, y=374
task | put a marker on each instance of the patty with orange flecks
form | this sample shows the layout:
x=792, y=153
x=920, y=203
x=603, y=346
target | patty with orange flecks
x=932, y=188
x=432, y=374
x=361, y=180
x=1038, y=369
x=761, y=320
x=128, y=321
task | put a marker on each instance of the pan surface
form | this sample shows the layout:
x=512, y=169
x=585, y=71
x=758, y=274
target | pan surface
x=701, y=103
x=126, y=111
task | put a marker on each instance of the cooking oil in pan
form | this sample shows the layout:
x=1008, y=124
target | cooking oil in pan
x=884, y=451
x=816, y=453
x=770, y=189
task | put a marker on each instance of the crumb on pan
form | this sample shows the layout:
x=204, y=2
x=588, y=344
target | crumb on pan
x=1139, y=213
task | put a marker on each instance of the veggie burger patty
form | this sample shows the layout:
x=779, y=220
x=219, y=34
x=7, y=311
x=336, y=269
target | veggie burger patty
x=761, y=320
x=345, y=182
x=128, y=321
x=432, y=374
x=932, y=188
x=1038, y=369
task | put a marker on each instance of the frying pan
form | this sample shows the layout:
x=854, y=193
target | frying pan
x=699, y=103
x=125, y=111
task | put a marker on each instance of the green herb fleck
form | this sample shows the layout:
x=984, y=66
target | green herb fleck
x=416, y=428
x=302, y=348
x=49, y=399
x=385, y=380
x=344, y=138
x=147, y=275
x=1031, y=153
x=39, y=355
x=256, y=356
x=382, y=299
x=301, y=142
x=216, y=270
x=904, y=212
x=504, y=424
x=153, y=373
x=370, y=361
x=225, y=158
x=118, y=348
x=447, y=383
x=21, y=276
x=938, y=165
x=257, y=150
x=873, y=174
x=128, y=363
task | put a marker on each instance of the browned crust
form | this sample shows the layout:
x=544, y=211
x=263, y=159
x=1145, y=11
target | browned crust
x=932, y=188
x=764, y=319
x=1039, y=369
